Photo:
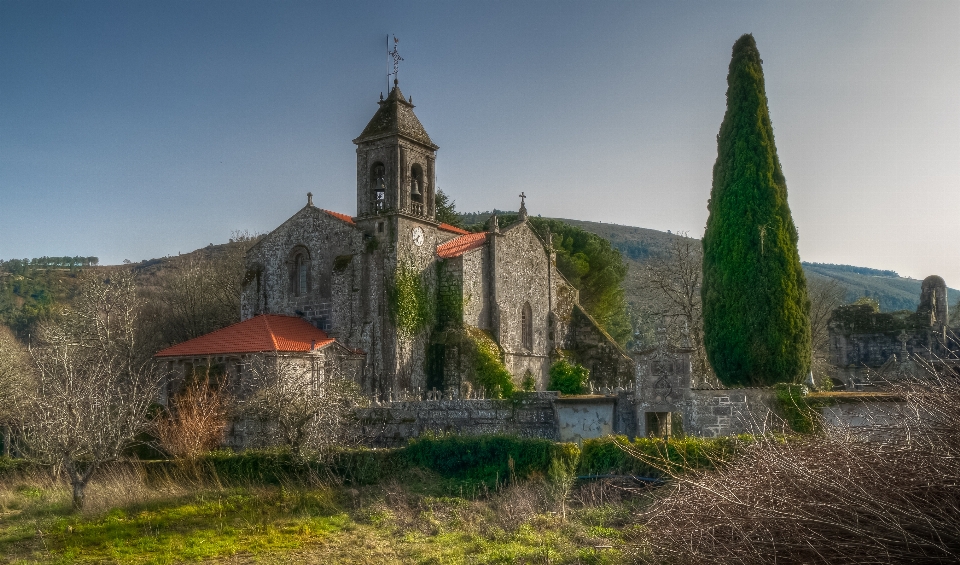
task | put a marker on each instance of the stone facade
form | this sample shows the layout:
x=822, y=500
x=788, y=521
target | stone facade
x=342, y=273
x=665, y=395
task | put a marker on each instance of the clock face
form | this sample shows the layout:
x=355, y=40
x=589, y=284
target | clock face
x=418, y=236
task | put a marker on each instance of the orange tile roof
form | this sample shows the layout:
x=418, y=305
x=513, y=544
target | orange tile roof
x=267, y=332
x=460, y=245
x=340, y=216
x=454, y=229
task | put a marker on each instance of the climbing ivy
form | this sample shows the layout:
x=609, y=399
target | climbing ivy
x=411, y=308
x=491, y=374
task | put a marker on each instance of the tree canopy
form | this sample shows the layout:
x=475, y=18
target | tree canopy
x=755, y=305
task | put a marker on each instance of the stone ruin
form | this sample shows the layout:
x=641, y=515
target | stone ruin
x=869, y=348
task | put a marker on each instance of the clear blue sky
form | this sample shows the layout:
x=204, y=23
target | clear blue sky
x=135, y=129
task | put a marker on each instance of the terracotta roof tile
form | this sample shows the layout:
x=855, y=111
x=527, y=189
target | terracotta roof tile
x=460, y=245
x=340, y=216
x=267, y=332
x=454, y=229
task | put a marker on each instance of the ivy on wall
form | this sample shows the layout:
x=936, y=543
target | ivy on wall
x=411, y=307
x=490, y=373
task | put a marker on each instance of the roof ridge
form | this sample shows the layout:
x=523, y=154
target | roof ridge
x=273, y=336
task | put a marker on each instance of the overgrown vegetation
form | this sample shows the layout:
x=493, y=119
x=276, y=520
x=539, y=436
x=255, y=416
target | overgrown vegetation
x=490, y=373
x=755, y=306
x=568, y=378
x=411, y=308
x=657, y=457
x=870, y=495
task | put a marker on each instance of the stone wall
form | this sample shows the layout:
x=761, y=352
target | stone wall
x=609, y=364
x=267, y=286
x=714, y=413
x=394, y=423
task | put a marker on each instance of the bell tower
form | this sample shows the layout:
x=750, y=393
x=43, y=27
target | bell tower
x=396, y=163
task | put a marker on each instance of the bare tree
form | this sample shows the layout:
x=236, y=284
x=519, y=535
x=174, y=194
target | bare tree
x=199, y=293
x=196, y=420
x=93, y=385
x=300, y=403
x=14, y=371
x=671, y=290
x=826, y=295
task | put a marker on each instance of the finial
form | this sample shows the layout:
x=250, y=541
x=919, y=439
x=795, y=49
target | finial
x=381, y=96
x=309, y=199
x=523, y=207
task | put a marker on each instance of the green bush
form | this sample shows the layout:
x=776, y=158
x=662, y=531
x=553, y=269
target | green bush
x=487, y=459
x=609, y=455
x=567, y=378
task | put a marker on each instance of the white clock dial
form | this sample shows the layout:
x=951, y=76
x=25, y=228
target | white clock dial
x=418, y=236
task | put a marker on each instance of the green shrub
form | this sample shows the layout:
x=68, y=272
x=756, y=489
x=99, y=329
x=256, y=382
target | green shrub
x=487, y=459
x=609, y=455
x=567, y=378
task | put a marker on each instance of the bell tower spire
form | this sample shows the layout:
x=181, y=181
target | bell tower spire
x=396, y=160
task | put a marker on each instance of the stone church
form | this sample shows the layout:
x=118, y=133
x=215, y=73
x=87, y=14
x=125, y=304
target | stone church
x=414, y=298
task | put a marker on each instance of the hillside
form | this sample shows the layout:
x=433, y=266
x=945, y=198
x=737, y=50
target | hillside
x=892, y=291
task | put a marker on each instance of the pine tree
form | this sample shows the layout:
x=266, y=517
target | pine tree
x=755, y=305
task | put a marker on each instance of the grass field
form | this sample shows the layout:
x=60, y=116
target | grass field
x=412, y=518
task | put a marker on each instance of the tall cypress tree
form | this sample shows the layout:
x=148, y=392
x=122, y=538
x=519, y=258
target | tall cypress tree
x=755, y=305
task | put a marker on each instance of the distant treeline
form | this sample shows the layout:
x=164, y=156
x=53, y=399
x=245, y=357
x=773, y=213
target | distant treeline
x=851, y=269
x=19, y=266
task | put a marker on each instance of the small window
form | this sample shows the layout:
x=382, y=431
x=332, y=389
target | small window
x=301, y=275
x=380, y=227
x=526, y=327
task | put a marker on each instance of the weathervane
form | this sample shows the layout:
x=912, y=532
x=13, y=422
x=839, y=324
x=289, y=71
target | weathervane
x=396, y=60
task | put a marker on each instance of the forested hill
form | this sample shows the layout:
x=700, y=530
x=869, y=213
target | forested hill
x=892, y=291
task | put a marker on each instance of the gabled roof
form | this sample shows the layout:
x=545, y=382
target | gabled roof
x=340, y=216
x=395, y=117
x=454, y=229
x=267, y=332
x=460, y=245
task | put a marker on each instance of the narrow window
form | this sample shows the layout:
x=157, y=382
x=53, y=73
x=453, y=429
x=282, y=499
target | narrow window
x=301, y=270
x=526, y=325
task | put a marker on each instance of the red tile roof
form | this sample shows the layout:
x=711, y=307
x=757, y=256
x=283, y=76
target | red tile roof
x=460, y=245
x=267, y=332
x=340, y=216
x=454, y=229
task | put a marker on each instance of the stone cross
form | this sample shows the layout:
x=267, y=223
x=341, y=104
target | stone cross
x=903, y=338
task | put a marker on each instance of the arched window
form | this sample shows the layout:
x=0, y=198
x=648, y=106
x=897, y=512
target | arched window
x=301, y=275
x=526, y=327
x=299, y=269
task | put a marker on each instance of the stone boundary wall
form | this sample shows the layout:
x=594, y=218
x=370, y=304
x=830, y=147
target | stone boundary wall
x=878, y=421
x=714, y=413
x=395, y=423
